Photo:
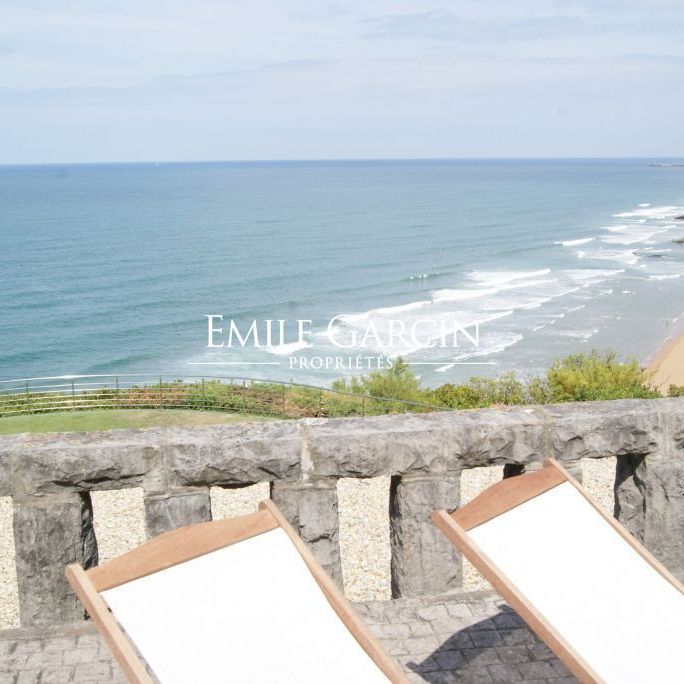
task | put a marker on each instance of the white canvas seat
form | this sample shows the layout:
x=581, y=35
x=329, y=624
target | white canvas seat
x=240, y=600
x=609, y=610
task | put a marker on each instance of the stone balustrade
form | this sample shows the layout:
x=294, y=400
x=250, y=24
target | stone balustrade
x=50, y=477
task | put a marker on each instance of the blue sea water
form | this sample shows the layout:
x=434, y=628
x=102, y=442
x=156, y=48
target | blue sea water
x=113, y=268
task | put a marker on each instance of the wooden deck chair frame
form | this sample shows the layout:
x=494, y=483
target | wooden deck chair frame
x=501, y=498
x=190, y=542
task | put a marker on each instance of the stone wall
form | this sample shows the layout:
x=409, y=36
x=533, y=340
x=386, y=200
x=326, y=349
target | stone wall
x=49, y=478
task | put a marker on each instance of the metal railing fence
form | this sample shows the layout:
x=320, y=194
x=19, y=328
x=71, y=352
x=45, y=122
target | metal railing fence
x=218, y=393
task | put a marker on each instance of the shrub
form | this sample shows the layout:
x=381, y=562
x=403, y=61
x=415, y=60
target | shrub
x=579, y=377
x=676, y=391
x=398, y=382
x=596, y=376
x=455, y=396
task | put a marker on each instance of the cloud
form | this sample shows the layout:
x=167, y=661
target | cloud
x=265, y=79
x=440, y=25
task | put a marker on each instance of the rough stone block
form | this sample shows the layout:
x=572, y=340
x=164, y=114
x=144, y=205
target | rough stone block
x=50, y=464
x=50, y=533
x=234, y=454
x=311, y=508
x=495, y=436
x=5, y=472
x=381, y=445
x=424, y=561
x=165, y=512
x=604, y=428
x=649, y=501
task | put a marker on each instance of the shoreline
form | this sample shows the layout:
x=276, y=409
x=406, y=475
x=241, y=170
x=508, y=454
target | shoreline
x=666, y=366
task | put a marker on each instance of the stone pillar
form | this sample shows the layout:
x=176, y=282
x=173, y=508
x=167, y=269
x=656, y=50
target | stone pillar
x=649, y=502
x=170, y=510
x=311, y=508
x=424, y=561
x=49, y=533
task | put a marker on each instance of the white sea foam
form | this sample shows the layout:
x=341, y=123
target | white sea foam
x=592, y=275
x=388, y=311
x=626, y=257
x=461, y=295
x=503, y=341
x=496, y=345
x=631, y=237
x=424, y=276
x=493, y=278
x=669, y=276
x=527, y=295
x=572, y=243
x=576, y=308
x=665, y=212
x=287, y=349
x=583, y=335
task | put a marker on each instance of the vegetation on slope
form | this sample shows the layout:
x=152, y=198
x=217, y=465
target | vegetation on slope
x=579, y=377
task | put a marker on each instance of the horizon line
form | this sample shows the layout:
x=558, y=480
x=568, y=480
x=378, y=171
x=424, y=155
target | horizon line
x=319, y=160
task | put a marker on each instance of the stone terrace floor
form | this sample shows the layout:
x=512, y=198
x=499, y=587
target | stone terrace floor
x=472, y=637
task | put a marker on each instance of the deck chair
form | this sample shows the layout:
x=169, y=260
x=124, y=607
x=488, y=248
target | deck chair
x=601, y=602
x=236, y=600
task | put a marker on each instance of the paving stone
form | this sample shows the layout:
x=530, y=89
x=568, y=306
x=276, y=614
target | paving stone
x=517, y=636
x=504, y=673
x=483, y=656
x=487, y=638
x=540, y=651
x=514, y=654
x=423, y=644
x=459, y=610
x=421, y=629
x=475, y=675
x=44, y=659
x=440, y=640
x=56, y=675
x=507, y=620
x=432, y=612
x=450, y=660
x=87, y=654
x=560, y=669
x=394, y=631
x=86, y=671
x=537, y=670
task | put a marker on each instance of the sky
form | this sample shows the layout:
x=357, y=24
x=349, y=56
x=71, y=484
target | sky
x=123, y=80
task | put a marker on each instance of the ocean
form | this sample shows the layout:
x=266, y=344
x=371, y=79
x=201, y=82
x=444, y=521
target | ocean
x=111, y=269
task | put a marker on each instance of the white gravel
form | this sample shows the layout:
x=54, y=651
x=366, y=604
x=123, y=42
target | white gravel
x=119, y=520
x=364, y=538
x=364, y=527
x=9, y=599
x=474, y=481
x=227, y=503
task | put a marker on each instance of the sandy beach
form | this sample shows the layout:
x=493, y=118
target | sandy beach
x=667, y=366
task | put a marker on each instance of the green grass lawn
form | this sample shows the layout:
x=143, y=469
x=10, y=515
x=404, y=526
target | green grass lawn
x=79, y=421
